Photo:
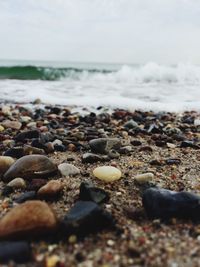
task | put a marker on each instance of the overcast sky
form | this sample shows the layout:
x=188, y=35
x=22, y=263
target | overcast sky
x=126, y=31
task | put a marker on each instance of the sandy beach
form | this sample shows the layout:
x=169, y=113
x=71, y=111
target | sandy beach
x=163, y=144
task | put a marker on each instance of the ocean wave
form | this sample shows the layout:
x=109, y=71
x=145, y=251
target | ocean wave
x=148, y=73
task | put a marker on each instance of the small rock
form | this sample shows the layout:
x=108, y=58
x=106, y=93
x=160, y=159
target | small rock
x=27, y=220
x=136, y=143
x=173, y=161
x=27, y=135
x=29, y=150
x=144, y=178
x=31, y=166
x=15, y=125
x=190, y=144
x=16, y=152
x=125, y=150
x=1, y=128
x=113, y=154
x=166, y=204
x=19, y=252
x=17, y=183
x=31, y=195
x=67, y=169
x=5, y=163
x=90, y=193
x=107, y=173
x=131, y=124
x=86, y=217
x=51, y=189
x=104, y=145
x=52, y=261
x=91, y=158
x=170, y=145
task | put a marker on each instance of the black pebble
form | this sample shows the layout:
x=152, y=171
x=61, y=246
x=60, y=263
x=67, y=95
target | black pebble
x=20, y=252
x=86, y=217
x=26, y=196
x=166, y=204
x=90, y=193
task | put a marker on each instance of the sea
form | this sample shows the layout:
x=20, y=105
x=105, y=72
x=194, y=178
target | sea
x=149, y=86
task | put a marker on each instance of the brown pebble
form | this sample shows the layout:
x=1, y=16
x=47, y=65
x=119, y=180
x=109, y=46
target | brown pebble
x=27, y=220
x=51, y=189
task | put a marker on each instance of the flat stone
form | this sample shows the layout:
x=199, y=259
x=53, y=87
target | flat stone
x=144, y=178
x=18, y=251
x=107, y=173
x=51, y=189
x=27, y=220
x=104, y=145
x=166, y=204
x=31, y=166
x=15, y=125
x=86, y=217
x=67, y=169
x=90, y=193
x=5, y=163
x=17, y=183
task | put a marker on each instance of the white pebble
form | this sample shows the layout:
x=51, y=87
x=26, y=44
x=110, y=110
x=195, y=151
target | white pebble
x=107, y=173
x=145, y=177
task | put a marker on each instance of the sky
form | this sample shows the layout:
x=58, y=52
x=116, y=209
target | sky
x=124, y=31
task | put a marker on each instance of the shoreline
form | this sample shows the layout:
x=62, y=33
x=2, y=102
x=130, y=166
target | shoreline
x=150, y=140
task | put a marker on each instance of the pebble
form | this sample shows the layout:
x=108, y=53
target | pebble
x=104, y=145
x=144, y=178
x=19, y=252
x=67, y=169
x=107, y=173
x=16, y=152
x=1, y=128
x=15, y=125
x=5, y=163
x=131, y=124
x=27, y=135
x=29, y=150
x=17, y=183
x=51, y=189
x=90, y=193
x=27, y=220
x=86, y=217
x=31, y=195
x=52, y=261
x=31, y=166
x=166, y=204
x=91, y=158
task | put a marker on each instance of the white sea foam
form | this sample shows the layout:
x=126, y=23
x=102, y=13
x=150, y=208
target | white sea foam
x=151, y=86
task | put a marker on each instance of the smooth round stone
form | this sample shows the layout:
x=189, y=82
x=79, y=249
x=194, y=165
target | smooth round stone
x=31, y=166
x=144, y=178
x=51, y=189
x=28, y=220
x=15, y=125
x=67, y=169
x=17, y=183
x=5, y=163
x=107, y=173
